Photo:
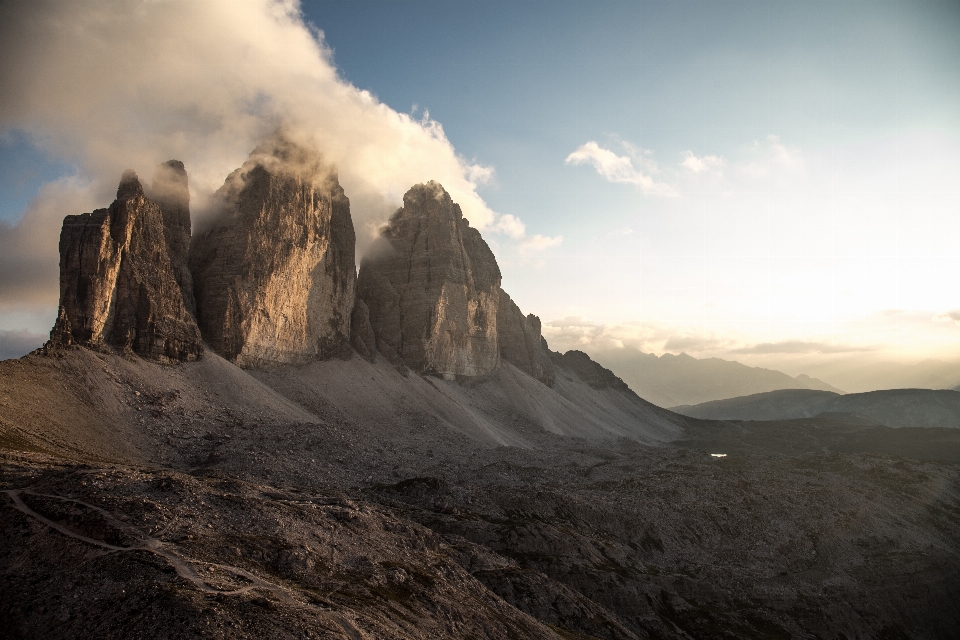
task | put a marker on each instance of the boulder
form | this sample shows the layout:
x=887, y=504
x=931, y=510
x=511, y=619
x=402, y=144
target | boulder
x=432, y=286
x=117, y=285
x=274, y=277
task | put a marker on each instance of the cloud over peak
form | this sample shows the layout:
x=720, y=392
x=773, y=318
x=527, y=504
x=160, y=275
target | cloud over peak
x=107, y=86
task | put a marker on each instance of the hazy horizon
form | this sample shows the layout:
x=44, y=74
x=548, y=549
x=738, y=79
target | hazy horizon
x=771, y=183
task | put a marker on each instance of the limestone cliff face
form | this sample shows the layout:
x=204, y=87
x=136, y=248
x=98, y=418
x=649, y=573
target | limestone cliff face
x=117, y=286
x=171, y=191
x=274, y=278
x=521, y=343
x=432, y=287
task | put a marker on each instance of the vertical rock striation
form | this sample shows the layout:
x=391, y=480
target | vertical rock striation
x=432, y=287
x=274, y=278
x=521, y=343
x=117, y=286
x=171, y=191
x=361, y=331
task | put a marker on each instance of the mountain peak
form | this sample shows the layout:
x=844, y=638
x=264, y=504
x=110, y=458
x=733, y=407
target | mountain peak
x=275, y=275
x=130, y=186
x=432, y=284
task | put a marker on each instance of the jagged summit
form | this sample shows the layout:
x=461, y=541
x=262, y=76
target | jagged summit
x=273, y=281
x=432, y=287
x=521, y=343
x=117, y=284
x=274, y=277
x=170, y=189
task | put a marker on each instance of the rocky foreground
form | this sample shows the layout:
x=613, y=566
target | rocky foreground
x=213, y=503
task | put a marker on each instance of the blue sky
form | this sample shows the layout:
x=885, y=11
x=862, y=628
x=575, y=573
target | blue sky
x=760, y=173
x=867, y=95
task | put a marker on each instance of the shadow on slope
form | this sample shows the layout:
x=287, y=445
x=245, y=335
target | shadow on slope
x=506, y=408
x=826, y=434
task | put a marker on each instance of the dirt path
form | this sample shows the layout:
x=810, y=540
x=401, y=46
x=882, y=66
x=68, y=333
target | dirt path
x=184, y=566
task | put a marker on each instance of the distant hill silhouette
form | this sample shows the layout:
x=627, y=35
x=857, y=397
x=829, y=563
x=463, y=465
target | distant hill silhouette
x=672, y=380
x=891, y=408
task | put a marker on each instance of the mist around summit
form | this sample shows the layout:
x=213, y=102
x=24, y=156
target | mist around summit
x=289, y=391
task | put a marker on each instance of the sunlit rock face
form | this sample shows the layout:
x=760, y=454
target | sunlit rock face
x=432, y=287
x=521, y=343
x=274, y=277
x=117, y=283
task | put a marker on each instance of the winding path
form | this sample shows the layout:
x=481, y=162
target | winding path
x=182, y=565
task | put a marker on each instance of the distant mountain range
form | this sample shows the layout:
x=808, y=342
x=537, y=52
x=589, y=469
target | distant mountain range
x=670, y=380
x=890, y=408
x=857, y=373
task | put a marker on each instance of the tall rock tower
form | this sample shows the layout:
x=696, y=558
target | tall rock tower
x=171, y=191
x=274, y=277
x=432, y=287
x=117, y=281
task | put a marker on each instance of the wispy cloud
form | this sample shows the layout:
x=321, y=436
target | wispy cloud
x=948, y=316
x=764, y=159
x=575, y=332
x=127, y=84
x=800, y=346
x=693, y=343
x=702, y=163
x=618, y=169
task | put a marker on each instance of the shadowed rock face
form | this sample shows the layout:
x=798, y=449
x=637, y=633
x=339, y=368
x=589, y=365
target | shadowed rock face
x=432, y=286
x=520, y=341
x=171, y=191
x=274, y=278
x=117, y=285
x=589, y=371
x=361, y=333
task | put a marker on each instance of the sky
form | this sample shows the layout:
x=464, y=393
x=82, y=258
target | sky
x=771, y=182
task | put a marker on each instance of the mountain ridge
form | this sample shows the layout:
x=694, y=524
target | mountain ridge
x=890, y=407
x=675, y=380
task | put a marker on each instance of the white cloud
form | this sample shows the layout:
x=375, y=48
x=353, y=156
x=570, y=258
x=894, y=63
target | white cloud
x=618, y=169
x=129, y=84
x=704, y=163
x=786, y=156
x=801, y=346
x=576, y=332
x=948, y=316
x=538, y=243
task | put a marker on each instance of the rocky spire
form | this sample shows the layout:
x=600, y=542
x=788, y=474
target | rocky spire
x=117, y=286
x=274, y=278
x=171, y=191
x=432, y=287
